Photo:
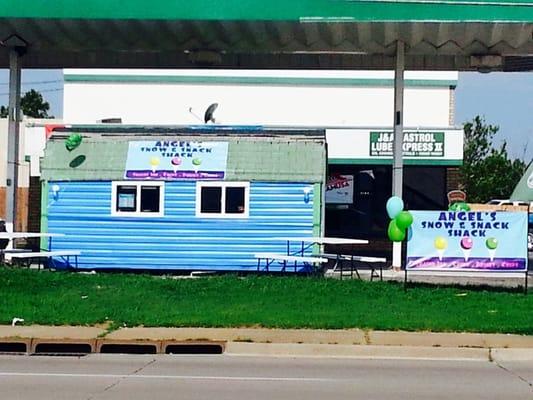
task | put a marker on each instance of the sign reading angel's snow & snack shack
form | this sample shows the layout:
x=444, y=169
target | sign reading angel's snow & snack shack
x=483, y=241
x=169, y=160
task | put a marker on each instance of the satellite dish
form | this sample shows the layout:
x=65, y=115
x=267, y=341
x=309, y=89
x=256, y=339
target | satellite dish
x=208, y=116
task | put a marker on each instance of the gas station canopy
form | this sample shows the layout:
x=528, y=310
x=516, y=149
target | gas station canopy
x=481, y=35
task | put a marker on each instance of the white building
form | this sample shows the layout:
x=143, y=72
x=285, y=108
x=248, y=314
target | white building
x=287, y=98
x=355, y=108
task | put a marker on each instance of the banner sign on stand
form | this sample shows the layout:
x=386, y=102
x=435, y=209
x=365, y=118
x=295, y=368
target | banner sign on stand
x=468, y=241
x=174, y=159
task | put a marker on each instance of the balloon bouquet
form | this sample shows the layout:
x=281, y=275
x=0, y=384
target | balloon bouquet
x=400, y=220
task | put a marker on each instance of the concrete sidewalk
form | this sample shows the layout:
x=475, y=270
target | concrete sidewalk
x=289, y=342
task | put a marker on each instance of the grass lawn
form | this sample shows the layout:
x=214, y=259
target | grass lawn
x=56, y=298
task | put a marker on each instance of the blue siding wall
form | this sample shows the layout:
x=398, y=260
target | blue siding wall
x=179, y=240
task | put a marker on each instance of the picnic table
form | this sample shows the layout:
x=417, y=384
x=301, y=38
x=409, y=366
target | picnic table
x=308, y=241
x=354, y=261
x=299, y=256
x=285, y=259
x=25, y=256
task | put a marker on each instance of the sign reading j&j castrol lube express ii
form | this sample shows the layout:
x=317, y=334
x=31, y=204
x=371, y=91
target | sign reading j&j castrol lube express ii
x=415, y=144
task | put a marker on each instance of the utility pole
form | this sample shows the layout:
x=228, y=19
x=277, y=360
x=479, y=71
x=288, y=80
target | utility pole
x=397, y=162
x=13, y=141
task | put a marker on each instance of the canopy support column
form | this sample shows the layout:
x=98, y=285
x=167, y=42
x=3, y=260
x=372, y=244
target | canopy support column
x=13, y=138
x=397, y=162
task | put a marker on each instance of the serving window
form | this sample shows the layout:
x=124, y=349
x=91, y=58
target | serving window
x=222, y=199
x=137, y=199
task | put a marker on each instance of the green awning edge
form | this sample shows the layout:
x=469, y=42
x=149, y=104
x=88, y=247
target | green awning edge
x=253, y=80
x=388, y=161
x=277, y=10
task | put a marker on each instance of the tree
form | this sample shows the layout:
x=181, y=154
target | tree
x=487, y=172
x=32, y=105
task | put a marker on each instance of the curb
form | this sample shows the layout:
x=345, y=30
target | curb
x=70, y=340
x=80, y=347
x=356, y=351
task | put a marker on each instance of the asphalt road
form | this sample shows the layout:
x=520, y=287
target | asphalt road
x=254, y=378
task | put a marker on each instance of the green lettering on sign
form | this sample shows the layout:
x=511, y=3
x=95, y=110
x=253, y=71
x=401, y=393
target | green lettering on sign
x=415, y=144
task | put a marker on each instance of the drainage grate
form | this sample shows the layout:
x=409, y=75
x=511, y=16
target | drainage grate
x=128, y=349
x=184, y=348
x=66, y=349
x=13, y=347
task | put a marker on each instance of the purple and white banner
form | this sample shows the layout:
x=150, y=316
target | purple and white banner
x=475, y=240
x=176, y=160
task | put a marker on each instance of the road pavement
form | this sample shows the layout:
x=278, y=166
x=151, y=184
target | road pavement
x=222, y=377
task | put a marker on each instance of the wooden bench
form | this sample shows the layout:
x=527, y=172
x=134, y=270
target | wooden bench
x=28, y=257
x=284, y=259
x=371, y=263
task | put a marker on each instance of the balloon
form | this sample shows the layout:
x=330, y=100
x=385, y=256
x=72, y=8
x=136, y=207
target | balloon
x=394, y=206
x=459, y=206
x=491, y=243
x=73, y=141
x=404, y=219
x=440, y=243
x=453, y=207
x=467, y=243
x=409, y=233
x=395, y=234
x=464, y=206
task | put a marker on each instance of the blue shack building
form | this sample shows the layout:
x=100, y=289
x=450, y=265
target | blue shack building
x=181, y=198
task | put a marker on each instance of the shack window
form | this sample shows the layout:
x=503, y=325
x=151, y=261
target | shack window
x=137, y=199
x=126, y=198
x=211, y=200
x=222, y=199
x=150, y=199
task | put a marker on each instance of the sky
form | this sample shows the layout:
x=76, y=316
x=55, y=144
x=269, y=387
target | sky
x=503, y=99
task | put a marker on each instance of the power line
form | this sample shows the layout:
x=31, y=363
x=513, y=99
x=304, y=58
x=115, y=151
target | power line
x=36, y=82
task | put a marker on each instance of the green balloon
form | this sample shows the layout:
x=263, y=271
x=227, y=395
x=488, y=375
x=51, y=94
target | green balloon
x=453, y=207
x=395, y=233
x=464, y=207
x=459, y=206
x=404, y=220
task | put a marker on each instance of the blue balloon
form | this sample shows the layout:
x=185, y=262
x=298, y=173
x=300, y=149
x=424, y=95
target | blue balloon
x=394, y=206
x=409, y=233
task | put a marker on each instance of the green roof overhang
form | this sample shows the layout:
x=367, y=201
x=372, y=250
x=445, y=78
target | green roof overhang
x=276, y=10
x=321, y=34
